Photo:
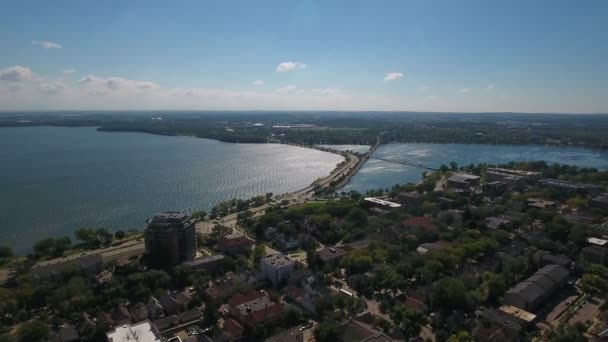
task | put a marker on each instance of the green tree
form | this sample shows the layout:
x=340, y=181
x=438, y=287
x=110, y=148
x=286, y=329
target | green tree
x=409, y=321
x=449, y=294
x=567, y=333
x=461, y=336
x=120, y=234
x=327, y=331
x=33, y=331
x=199, y=215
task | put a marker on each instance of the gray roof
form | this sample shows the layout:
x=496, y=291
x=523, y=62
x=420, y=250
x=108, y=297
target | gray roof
x=557, y=273
x=545, y=282
x=462, y=178
x=529, y=290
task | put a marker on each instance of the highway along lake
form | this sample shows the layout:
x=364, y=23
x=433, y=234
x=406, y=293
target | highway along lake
x=54, y=180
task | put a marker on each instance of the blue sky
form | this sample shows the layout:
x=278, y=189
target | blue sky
x=484, y=55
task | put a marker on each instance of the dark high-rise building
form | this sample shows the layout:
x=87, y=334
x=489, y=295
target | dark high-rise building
x=170, y=239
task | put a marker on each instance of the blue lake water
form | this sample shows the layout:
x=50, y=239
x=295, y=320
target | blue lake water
x=381, y=174
x=54, y=180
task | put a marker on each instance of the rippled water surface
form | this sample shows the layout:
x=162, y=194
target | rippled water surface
x=382, y=174
x=55, y=179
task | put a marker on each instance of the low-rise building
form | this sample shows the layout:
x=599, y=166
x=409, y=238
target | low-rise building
x=539, y=203
x=599, y=202
x=409, y=199
x=511, y=176
x=571, y=187
x=496, y=222
x=234, y=244
x=595, y=255
x=255, y=308
x=530, y=293
x=221, y=288
x=331, y=255
x=141, y=332
x=422, y=222
x=379, y=205
x=463, y=181
x=276, y=267
x=209, y=263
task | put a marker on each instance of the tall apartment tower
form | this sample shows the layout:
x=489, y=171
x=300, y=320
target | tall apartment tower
x=170, y=239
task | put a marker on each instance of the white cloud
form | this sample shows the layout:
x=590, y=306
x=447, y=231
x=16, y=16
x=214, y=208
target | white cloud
x=257, y=82
x=490, y=87
x=393, y=76
x=464, y=90
x=328, y=91
x=16, y=73
x=101, y=84
x=424, y=88
x=46, y=45
x=286, y=89
x=289, y=66
x=69, y=71
x=52, y=88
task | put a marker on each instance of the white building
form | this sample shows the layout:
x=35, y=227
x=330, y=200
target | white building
x=276, y=267
x=140, y=332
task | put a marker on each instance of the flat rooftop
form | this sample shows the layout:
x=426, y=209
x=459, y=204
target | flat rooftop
x=382, y=202
x=140, y=332
x=277, y=260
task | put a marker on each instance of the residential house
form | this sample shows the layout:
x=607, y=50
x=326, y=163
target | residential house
x=539, y=203
x=599, y=202
x=496, y=223
x=174, y=302
x=155, y=309
x=423, y=223
x=410, y=199
x=121, y=315
x=68, y=333
x=234, y=244
x=229, y=331
x=220, y=289
x=331, y=255
x=139, y=312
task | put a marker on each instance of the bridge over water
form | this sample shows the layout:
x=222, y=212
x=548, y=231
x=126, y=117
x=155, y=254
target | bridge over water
x=404, y=162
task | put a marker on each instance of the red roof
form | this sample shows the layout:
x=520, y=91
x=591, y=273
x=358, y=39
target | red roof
x=422, y=222
x=266, y=314
x=234, y=242
x=239, y=299
x=233, y=328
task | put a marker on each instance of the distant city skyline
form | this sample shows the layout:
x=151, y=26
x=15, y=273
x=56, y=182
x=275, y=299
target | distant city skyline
x=455, y=56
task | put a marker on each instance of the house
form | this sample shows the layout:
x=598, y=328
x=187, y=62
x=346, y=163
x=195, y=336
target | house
x=166, y=323
x=599, y=202
x=494, y=325
x=357, y=245
x=143, y=332
x=155, y=309
x=355, y=331
x=230, y=331
x=56, y=270
x=522, y=317
x=422, y=223
x=496, y=222
x=190, y=316
x=276, y=267
x=410, y=199
x=303, y=298
x=174, y=302
x=595, y=255
x=530, y=293
x=300, y=275
x=424, y=248
x=539, y=203
x=68, y=333
x=462, y=181
x=495, y=188
x=255, y=308
x=290, y=335
x=104, y=277
x=414, y=299
x=221, y=288
x=121, y=315
x=139, y=312
x=287, y=242
x=234, y=244
x=209, y=264
x=87, y=326
x=331, y=255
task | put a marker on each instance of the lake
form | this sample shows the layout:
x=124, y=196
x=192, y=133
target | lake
x=381, y=174
x=54, y=180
